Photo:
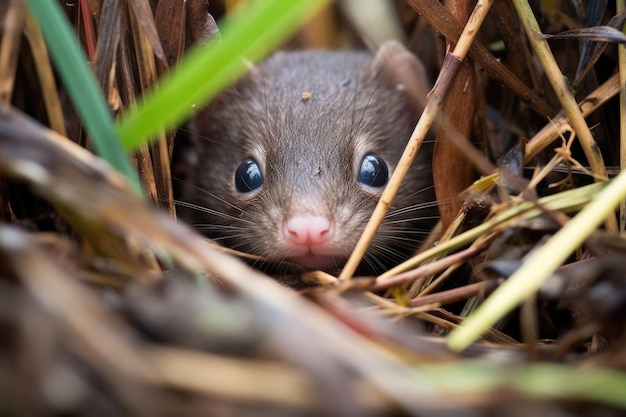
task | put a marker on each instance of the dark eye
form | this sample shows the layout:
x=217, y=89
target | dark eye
x=373, y=171
x=248, y=176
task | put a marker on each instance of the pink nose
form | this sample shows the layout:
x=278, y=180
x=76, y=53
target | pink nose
x=308, y=230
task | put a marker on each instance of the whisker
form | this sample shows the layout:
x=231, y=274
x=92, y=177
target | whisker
x=212, y=212
x=215, y=197
x=388, y=253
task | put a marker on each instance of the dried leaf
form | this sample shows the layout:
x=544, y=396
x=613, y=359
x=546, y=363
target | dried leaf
x=452, y=171
x=593, y=17
x=597, y=33
x=144, y=17
x=587, y=61
x=170, y=23
x=10, y=47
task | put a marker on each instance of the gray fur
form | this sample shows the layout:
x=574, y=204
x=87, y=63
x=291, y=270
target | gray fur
x=309, y=150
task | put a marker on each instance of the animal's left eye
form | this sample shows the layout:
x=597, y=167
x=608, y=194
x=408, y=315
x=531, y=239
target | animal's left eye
x=248, y=177
x=373, y=171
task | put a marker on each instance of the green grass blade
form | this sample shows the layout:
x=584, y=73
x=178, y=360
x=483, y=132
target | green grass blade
x=542, y=381
x=78, y=79
x=208, y=69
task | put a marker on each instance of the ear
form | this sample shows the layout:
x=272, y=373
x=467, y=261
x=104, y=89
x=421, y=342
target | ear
x=404, y=70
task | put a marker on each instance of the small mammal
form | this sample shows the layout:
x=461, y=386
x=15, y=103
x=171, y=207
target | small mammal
x=290, y=162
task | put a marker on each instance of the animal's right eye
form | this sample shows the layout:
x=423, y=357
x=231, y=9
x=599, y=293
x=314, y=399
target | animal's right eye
x=248, y=176
x=373, y=172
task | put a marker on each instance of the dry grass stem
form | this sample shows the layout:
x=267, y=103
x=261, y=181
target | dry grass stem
x=557, y=80
x=436, y=98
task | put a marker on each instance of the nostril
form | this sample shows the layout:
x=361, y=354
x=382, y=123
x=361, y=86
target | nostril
x=308, y=230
